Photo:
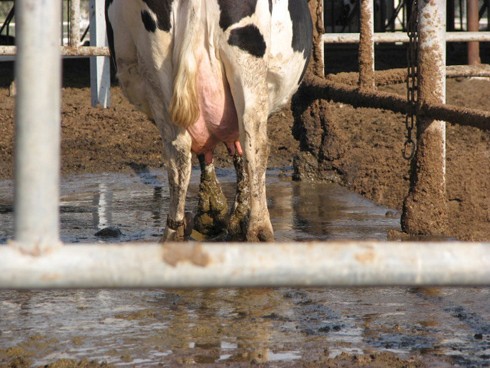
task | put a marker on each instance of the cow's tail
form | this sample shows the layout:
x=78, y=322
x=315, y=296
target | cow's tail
x=184, y=106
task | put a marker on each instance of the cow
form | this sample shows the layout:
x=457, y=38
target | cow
x=208, y=72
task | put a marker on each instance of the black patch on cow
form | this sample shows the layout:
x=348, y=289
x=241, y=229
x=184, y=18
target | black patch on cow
x=302, y=29
x=148, y=21
x=232, y=11
x=110, y=34
x=163, y=11
x=302, y=26
x=248, y=39
x=270, y=6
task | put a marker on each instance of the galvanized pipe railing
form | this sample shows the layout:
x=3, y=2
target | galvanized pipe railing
x=401, y=37
x=37, y=111
x=331, y=38
x=100, y=76
x=178, y=265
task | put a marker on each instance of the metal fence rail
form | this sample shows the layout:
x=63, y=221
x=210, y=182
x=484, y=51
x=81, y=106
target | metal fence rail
x=401, y=37
x=248, y=265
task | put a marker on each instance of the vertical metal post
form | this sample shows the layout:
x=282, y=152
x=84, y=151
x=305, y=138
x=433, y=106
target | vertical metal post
x=37, y=116
x=74, y=23
x=100, y=78
x=366, y=46
x=321, y=44
x=488, y=14
x=425, y=208
x=472, y=19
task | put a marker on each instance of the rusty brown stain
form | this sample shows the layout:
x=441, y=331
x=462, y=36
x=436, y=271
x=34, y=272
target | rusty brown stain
x=48, y=277
x=173, y=254
x=366, y=257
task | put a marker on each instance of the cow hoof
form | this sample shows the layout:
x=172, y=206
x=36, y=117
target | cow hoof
x=178, y=231
x=237, y=228
x=209, y=225
x=260, y=235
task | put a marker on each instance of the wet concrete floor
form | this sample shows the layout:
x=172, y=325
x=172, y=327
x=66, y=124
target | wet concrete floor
x=282, y=326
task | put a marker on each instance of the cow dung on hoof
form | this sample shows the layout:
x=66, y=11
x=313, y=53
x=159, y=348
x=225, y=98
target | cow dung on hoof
x=210, y=72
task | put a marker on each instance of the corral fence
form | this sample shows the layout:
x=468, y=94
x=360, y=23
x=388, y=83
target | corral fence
x=37, y=259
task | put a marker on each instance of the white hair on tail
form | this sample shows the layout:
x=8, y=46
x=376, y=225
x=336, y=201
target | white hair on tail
x=184, y=106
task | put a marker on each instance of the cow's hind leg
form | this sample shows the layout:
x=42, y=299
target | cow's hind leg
x=246, y=72
x=177, y=161
x=212, y=211
x=240, y=214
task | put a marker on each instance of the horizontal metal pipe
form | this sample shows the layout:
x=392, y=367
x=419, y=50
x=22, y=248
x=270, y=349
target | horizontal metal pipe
x=327, y=38
x=382, y=37
x=394, y=76
x=65, y=51
x=319, y=88
x=177, y=265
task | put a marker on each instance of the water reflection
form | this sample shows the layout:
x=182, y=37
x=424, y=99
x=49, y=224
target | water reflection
x=243, y=326
x=137, y=205
x=102, y=216
x=325, y=211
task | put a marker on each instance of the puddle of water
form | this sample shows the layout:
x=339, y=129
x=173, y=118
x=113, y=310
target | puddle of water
x=233, y=326
x=137, y=205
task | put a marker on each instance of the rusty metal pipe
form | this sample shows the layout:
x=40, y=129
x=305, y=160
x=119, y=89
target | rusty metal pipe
x=399, y=75
x=473, y=26
x=379, y=37
x=366, y=46
x=319, y=88
x=249, y=265
x=74, y=23
x=425, y=209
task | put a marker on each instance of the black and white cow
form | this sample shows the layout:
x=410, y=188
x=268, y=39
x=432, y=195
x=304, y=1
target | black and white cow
x=211, y=71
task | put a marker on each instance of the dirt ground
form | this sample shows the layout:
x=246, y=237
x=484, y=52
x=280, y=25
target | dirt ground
x=361, y=148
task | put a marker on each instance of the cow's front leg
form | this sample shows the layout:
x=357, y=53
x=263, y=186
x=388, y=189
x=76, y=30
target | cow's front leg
x=177, y=161
x=212, y=208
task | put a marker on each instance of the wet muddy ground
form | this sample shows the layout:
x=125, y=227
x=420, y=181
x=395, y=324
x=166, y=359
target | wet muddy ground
x=376, y=327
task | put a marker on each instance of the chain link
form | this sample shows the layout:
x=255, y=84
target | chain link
x=410, y=145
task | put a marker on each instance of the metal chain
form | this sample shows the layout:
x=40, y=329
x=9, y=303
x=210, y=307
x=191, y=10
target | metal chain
x=410, y=145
